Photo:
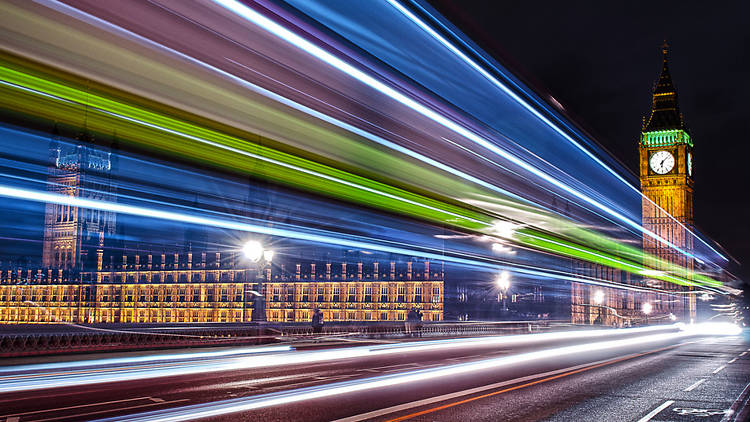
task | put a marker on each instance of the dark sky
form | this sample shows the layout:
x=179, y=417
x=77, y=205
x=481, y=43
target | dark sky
x=599, y=59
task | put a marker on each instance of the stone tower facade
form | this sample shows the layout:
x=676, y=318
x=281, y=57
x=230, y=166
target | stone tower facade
x=666, y=173
x=74, y=238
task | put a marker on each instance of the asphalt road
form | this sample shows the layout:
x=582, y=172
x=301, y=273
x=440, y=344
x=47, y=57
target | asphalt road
x=625, y=383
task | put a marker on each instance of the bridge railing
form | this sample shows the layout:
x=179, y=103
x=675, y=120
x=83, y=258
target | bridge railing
x=43, y=339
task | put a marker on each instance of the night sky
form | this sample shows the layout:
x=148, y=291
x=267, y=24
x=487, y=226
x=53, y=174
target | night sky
x=600, y=61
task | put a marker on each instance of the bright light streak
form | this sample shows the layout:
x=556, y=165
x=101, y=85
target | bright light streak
x=310, y=48
x=554, y=127
x=268, y=255
x=98, y=374
x=647, y=308
x=81, y=15
x=713, y=328
x=328, y=238
x=171, y=357
x=330, y=390
x=504, y=229
x=499, y=248
x=598, y=297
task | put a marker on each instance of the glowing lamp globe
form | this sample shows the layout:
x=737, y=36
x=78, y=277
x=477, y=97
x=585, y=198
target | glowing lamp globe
x=253, y=250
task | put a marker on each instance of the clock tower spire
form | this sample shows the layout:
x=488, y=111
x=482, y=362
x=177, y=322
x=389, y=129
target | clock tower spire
x=666, y=173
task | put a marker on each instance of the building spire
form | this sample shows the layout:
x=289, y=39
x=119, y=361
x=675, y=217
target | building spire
x=665, y=110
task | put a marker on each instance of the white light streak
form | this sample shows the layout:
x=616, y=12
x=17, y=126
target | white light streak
x=347, y=387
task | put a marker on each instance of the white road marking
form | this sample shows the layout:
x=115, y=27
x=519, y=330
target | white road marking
x=717, y=370
x=743, y=354
x=692, y=387
x=390, y=368
x=656, y=411
x=115, y=409
x=75, y=407
x=733, y=360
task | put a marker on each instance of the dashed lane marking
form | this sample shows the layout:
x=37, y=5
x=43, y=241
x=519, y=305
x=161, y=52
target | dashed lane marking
x=656, y=411
x=695, y=385
x=717, y=370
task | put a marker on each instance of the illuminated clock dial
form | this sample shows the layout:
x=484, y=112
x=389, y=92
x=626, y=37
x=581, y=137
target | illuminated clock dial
x=662, y=162
x=690, y=164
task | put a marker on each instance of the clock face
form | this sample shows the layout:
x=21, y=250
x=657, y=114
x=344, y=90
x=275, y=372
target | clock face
x=662, y=162
x=690, y=164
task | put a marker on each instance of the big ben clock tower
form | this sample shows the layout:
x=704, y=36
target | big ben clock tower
x=666, y=171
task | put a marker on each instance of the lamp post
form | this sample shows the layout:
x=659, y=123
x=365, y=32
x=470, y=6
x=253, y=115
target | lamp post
x=647, y=308
x=502, y=281
x=254, y=251
x=598, y=300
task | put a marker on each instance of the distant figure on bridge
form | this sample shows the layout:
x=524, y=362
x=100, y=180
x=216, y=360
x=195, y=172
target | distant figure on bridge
x=418, y=321
x=411, y=318
x=317, y=321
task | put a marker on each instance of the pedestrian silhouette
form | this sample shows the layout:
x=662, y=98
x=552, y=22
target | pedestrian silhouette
x=317, y=321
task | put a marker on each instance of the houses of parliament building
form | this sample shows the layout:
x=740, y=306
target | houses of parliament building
x=86, y=278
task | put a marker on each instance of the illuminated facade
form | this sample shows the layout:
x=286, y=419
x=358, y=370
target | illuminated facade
x=666, y=172
x=178, y=290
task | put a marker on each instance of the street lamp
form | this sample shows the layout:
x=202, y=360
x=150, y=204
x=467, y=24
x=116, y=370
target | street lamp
x=647, y=308
x=598, y=297
x=253, y=250
x=502, y=281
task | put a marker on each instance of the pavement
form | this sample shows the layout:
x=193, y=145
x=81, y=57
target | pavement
x=664, y=379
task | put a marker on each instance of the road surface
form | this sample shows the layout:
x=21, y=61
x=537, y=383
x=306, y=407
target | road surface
x=607, y=378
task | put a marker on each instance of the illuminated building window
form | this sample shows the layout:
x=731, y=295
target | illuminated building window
x=368, y=296
x=401, y=294
x=418, y=294
x=336, y=294
x=321, y=292
x=352, y=296
x=352, y=316
x=384, y=294
x=383, y=316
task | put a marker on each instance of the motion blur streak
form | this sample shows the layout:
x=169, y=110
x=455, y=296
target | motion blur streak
x=27, y=377
x=145, y=359
x=346, y=387
x=391, y=198
x=323, y=55
x=534, y=111
x=38, y=196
